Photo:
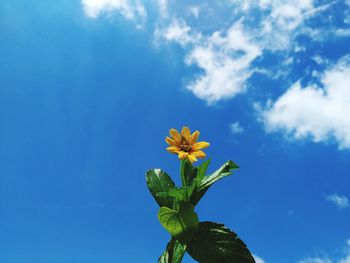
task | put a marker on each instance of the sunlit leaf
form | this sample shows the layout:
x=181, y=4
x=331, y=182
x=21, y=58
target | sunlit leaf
x=181, y=223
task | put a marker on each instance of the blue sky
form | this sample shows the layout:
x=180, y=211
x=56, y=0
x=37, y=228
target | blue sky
x=89, y=90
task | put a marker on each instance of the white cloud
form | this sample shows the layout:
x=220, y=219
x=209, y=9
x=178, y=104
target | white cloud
x=316, y=260
x=320, y=60
x=177, y=31
x=284, y=18
x=345, y=259
x=224, y=54
x=163, y=7
x=338, y=200
x=224, y=58
x=319, y=113
x=258, y=259
x=236, y=127
x=128, y=8
x=342, y=32
x=194, y=10
x=280, y=21
x=347, y=19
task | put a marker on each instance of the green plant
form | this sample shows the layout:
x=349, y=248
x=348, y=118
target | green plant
x=206, y=242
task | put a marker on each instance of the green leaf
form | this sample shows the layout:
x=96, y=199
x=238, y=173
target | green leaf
x=207, y=181
x=202, y=169
x=181, y=223
x=174, y=252
x=188, y=172
x=181, y=194
x=215, y=243
x=159, y=181
x=223, y=171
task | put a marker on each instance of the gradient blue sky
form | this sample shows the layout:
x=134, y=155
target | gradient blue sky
x=89, y=90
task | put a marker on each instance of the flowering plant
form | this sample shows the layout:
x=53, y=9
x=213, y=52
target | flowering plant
x=206, y=242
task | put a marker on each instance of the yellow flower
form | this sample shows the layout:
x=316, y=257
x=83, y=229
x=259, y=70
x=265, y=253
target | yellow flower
x=186, y=145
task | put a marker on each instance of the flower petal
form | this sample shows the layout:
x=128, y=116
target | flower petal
x=183, y=155
x=192, y=158
x=194, y=137
x=200, y=145
x=199, y=154
x=170, y=141
x=173, y=149
x=186, y=133
x=175, y=135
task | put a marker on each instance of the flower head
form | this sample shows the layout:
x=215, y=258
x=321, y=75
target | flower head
x=186, y=145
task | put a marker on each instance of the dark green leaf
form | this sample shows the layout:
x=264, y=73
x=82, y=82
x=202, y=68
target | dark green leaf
x=207, y=181
x=159, y=181
x=188, y=172
x=182, y=223
x=174, y=252
x=215, y=243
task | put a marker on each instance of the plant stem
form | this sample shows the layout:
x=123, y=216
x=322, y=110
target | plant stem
x=182, y=172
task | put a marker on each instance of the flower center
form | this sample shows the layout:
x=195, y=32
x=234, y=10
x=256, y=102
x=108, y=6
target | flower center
x=185, y=146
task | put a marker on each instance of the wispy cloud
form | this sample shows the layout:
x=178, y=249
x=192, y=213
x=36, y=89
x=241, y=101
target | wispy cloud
x=177, y=31
x=194, y=10
x=325, y=259
x=236, y=127
x=339, y=200
x=283, y=18
x=346, y=259
x=316, y=260
x=321, y=113
x=223, y=57
x=223, y=54
x=130, y=9
x=225, y=60
x=163, y=7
